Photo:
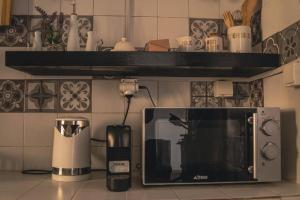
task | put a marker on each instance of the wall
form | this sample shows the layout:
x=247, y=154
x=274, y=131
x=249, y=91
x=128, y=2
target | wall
x=26, y=137
x=278, y=15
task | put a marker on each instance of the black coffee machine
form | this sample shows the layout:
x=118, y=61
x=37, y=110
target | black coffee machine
x=118, y=158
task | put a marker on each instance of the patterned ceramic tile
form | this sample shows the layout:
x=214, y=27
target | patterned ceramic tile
x=213, y=102
x=75, y=96
x=15, y=35
x=203, y=95
x=229, y=102
x=201, y=28
x=210, y=89
x=12, y=95
x=241, y=90
x=290, y=43
x=271, y=44
x=256, y=28
x=198, y=88
x=258, y=48
x=199, y=102
x=41, y=96
x=256, y=93
x=85, y=25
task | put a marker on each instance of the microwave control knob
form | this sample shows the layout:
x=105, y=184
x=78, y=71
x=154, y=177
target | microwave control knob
x=269, y=127
x=270, y=151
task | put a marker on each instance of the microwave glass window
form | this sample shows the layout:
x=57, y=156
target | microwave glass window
x=197, y=144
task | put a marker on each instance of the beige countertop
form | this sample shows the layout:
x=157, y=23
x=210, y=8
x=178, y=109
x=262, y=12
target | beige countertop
x=14, y=185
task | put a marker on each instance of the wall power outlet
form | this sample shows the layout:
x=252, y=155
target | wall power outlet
x=129, y=87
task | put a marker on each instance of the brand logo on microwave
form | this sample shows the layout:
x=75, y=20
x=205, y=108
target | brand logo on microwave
x=198, y=178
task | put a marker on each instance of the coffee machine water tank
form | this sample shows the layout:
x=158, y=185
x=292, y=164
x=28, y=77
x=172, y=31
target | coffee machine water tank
x=71, y=159
x=118, y=158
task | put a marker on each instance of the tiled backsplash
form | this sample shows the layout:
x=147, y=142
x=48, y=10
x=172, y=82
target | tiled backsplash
x=244, y=95
x=285, y=42
x=46, y=96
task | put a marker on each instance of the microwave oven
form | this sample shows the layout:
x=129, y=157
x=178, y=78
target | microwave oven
x=211, y=145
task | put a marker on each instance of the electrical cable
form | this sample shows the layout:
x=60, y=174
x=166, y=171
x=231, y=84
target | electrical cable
x=36, y=172
x=128, y=97
x=98, y=140
x=149, y=94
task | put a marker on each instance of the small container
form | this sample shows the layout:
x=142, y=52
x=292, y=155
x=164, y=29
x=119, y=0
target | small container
x=214, y=44
x=185, y=43
x=240, y=39
x=90, y=42
x=37, y=42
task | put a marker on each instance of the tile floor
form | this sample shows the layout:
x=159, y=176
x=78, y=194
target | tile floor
x=14, y=185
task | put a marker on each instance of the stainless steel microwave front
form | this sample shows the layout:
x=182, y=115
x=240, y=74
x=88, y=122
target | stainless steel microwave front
x=210, y=145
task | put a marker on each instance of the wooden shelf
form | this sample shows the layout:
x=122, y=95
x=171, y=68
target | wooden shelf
x=171, y=64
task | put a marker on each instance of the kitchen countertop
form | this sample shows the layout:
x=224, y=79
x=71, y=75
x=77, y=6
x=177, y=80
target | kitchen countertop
x=14, y=185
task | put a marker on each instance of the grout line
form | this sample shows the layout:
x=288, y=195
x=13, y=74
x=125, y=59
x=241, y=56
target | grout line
x=31, y=189
x=78, y=189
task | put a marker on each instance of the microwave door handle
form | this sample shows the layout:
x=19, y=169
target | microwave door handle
x=255, y=147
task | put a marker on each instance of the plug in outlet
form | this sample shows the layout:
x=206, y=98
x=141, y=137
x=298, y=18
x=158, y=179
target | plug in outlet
x=129, y=87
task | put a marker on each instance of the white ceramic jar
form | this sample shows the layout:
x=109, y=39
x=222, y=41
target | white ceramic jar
x=90, y=42
x=37, y=41
x=73, y=39
x=240, y=39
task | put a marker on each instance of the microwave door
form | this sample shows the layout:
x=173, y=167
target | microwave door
x=198, y=146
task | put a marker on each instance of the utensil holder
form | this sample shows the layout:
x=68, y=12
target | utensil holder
x=240, y=39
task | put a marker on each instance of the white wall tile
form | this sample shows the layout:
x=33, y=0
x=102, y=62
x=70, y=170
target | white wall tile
x=109, y=7
x=6, y=72
x=136, y=158
x=284, y=14
x=110, y=29
x=144, y=29
x=135, y=120
x=145, y=7
x=230, y=5
x=38, y=158
x=49, y=6
x=83, y=7
x=204, y=9
x=172, y=28
x=173, y=8
x=20, y=7
x=174, y=94
x=106, y=96
x=101, y=121
x=11, y=158
x=98, y=157
x=38, y=129
x=142, y=99
x=11, y=129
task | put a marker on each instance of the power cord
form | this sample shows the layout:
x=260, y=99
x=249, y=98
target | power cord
x=98, y=140
x=142, y=87
x=36, y=172
x=44, y=172
x=128, y=97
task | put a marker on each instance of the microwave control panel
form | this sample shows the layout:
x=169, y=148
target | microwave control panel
x=268, y=149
